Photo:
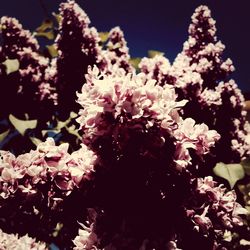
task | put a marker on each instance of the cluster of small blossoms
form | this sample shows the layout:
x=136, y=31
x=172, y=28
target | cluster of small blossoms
x=78, y=47
x=112, y=104
x=233, y=128
x=15, y=38
x=202, y=53
x=32, y=80
x=12, y=242
x=210, y=209
x=116, y=53
x=193, y=136
x=212, y=201
x=157, y=68
x=25, y=85
x=226, y=104
x=204, y=49
x=131, y=97
x=49, y=83
x=213, y=99
x=47, y=165
x=146, y=191
x=87, y=239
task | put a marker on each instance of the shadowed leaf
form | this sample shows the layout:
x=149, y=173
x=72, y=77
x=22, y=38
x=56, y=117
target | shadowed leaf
x=46, y=24
x=49, y=34
x=3, y=135
x=58, y=17
x=52, y=50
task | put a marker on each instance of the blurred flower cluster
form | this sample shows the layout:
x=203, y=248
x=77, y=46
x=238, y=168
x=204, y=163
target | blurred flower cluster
x=12, y=242
x=149, y=162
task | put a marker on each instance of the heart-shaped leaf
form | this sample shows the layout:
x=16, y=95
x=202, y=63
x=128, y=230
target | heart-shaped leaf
x=12, y=65
x=231, y=172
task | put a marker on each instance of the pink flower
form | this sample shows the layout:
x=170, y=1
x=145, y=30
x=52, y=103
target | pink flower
x=127, y=95
x=47, y=162
x=12, y=242
x=215, y=202
x=86, y=239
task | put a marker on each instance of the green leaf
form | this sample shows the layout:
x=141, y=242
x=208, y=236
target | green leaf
x=46, y=24
x=135, y=62
x=73, y=115
x=3, y=135
x=153, y=53
x=48, y=34
x=72, y=130
x=64, y=124
x=104, y=36
x=61, y=124
x=52, y=50
x=231, y=172
x=12, y=65
x=22, y=125
x=58, y=17
x=35, y=140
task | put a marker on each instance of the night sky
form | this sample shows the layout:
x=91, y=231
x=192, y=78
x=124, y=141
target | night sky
x=155, y=24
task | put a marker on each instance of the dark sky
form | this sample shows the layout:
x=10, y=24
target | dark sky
x=156, y=24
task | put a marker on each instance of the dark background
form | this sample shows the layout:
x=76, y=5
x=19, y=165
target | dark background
x=154, y=24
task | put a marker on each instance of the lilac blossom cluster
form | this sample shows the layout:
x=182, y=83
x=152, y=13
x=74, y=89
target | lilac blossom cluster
x=47, y=164
x=116, y=54
x=157, y=68
x=78, y=47
x=134, y=125
x=200, y=76
x=52, y=83
x=37, y=183
x=119, y=104
x=139, y=180
x=12, y=242
x=214, y=202
x=214, y=99
x=27, y=84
